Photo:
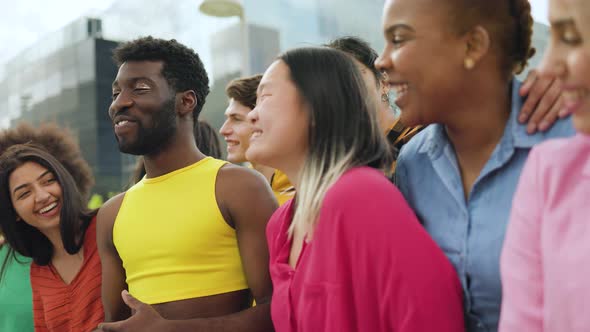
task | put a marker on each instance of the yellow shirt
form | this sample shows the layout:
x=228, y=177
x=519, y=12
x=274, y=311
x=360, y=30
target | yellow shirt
x=173, y=239
x=281, y=187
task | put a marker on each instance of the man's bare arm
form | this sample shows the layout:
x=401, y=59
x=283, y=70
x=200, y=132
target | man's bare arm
x=113, y=274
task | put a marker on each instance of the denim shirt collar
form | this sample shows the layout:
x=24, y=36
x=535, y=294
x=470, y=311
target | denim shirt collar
x=515, y=135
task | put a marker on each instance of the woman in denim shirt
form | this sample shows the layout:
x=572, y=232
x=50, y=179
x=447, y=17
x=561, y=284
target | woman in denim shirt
x=453, y=65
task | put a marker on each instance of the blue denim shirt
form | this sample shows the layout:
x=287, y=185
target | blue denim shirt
x=470, y=233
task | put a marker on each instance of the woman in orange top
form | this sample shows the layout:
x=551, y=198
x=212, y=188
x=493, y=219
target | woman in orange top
x=43, y=216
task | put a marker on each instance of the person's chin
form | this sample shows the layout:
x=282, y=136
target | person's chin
x=252, y=155
x=236, y=159
x=129, y=149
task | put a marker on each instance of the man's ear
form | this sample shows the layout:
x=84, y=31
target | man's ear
x=186, y=102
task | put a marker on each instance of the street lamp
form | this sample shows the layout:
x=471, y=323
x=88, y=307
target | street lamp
x=230, y=8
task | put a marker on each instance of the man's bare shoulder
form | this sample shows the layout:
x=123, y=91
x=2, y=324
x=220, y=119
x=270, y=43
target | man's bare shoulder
x=109, y=210
x=241, y=178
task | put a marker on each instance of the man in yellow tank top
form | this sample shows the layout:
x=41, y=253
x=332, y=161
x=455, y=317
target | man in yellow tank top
x=187, y=241
x=237, y=131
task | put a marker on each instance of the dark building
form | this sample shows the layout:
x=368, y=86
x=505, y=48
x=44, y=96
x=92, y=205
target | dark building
x=66, y=78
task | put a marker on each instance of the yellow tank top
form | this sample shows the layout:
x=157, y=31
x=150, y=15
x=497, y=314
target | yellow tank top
x=174, y=241
x=281, y=187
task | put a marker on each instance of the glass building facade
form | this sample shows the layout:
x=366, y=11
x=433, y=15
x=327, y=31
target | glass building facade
x=67, y=79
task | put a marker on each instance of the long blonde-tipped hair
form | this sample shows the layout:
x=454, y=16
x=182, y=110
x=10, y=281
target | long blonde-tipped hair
x=343, y=130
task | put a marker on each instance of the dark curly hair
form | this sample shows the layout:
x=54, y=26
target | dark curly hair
x=509, y=23
x=182, y=67
x=359, y=50
x=60, y=143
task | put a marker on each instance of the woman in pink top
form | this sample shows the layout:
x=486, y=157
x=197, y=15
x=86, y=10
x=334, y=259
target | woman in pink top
x=545, y=262
x=347, y=253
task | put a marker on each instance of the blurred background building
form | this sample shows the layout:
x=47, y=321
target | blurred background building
x=66, y=78
x=66, y=75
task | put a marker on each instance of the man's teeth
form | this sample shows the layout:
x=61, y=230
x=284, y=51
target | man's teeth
x=48, y=208
x=121, y=123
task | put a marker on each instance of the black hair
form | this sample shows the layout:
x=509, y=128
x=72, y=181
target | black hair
x=74, y=216
x=360, y=50
x=182, y=66
x=343, y=132
x=341, y=110
x=509, y=23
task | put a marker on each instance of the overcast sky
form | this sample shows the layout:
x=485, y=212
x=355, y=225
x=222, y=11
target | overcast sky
x=23, y=22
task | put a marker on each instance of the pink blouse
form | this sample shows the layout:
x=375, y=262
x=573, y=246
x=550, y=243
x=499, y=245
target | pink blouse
x=370, y=266
x=545, y=263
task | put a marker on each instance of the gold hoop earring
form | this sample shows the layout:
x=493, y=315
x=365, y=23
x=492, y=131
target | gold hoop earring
x=469, y=63
x=384, y=97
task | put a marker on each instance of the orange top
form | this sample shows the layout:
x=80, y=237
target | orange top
x=281, y=187
x=400, y=135
x=76, y=307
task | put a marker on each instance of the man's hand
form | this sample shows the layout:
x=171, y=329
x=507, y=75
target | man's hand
x=144, y=319
x=543, y=105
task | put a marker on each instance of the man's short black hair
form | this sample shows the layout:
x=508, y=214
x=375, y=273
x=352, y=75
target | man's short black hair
x=358, y=49
x=182, y=66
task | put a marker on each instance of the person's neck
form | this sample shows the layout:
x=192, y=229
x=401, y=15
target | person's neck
x=478, y=124
x=264, y=170
x=181, y=152
x=54, y=236
x=293, y=169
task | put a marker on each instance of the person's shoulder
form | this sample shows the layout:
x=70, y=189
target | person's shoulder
x=418, y=142
x=108, y=212
x=561, y=153
x=283, y=214
x=364, y=202
x=245, y=192
x=241, y=178
x=111, y=205
x=357, y=185
x=416, y=149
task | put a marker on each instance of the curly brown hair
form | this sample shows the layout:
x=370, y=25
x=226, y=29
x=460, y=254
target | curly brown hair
x=60, y=143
